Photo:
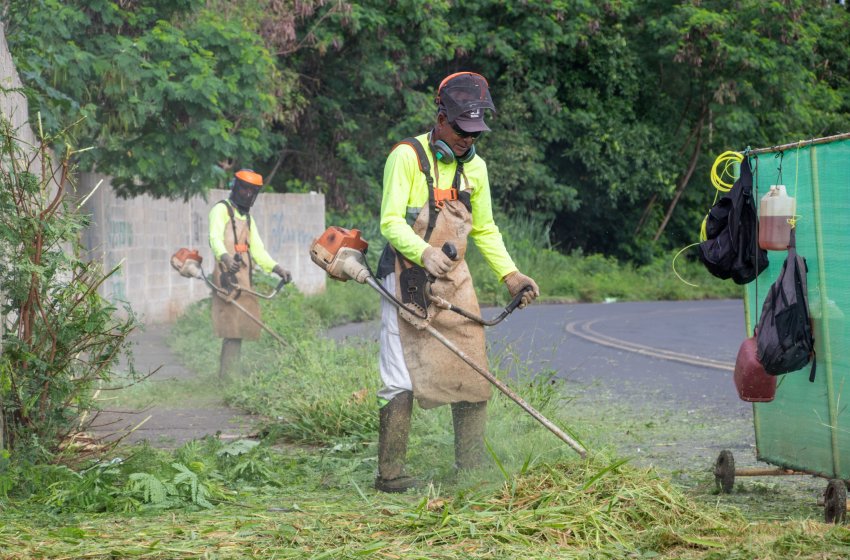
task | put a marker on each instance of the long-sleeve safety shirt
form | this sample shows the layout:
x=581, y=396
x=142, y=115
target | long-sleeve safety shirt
x=219, y=219
x=405, y=191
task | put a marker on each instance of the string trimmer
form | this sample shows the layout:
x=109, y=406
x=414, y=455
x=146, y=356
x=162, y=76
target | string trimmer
x=342, y=254
x=188, y=263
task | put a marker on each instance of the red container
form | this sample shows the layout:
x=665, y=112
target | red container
x=753, y=383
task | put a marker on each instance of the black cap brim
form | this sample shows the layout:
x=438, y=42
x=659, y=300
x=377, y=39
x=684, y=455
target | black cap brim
x=472, y=125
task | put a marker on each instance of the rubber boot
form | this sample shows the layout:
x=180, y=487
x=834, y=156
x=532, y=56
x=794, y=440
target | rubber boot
x=469, y=421
x=392, y=444
x=231, y=353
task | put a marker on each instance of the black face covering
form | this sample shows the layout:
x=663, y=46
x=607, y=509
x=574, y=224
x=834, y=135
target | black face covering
x=243, y=194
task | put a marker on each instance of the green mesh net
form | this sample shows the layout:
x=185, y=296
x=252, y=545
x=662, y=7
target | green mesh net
x=807, y=426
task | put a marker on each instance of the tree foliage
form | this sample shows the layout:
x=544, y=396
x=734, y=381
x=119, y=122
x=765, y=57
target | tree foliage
x=171, y=96
x=609, y=113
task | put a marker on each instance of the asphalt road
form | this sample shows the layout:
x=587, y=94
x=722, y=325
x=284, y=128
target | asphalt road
x=680, y=352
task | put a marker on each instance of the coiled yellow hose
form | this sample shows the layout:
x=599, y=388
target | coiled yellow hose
x=724, y=166
x=725, y=162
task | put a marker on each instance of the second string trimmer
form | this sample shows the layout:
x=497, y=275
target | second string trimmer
x=341, y=253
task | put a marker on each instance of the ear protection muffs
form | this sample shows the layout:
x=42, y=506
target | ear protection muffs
x=444, y=154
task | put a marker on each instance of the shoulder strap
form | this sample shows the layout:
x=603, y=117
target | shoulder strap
x=233, y=222
x=236, y=243
x=425, y=167
x=424, y=163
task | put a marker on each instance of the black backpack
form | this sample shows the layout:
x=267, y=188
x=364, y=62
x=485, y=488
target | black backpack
x=731, y=247
x=785, y=339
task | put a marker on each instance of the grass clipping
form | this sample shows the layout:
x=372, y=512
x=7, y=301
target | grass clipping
x=576, y=509
x=585, y=506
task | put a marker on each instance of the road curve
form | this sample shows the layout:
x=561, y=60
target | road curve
x=680, y=351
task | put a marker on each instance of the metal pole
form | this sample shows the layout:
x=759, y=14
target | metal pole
x=497, y=383
x=832, y=403
x=766, y=472
x=260, y=323
x=221, y=294
x=800, y=144
x=504, y=389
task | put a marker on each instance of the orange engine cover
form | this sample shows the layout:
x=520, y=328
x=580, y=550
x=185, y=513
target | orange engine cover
x=335, y=238
x=183, y=254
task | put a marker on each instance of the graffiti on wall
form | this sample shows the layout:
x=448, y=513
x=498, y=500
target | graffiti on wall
x=116, y=284
x=119, y=234
x=282, y=235
x=198, y=222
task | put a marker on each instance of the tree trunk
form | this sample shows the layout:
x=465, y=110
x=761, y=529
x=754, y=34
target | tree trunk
x=2, y=411
x=645, y=215
x=683, y=182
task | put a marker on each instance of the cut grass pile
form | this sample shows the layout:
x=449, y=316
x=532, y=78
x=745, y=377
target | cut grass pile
x=322, y=508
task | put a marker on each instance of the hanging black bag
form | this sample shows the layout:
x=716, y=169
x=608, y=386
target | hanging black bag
x=731, y=246
x=784, y=336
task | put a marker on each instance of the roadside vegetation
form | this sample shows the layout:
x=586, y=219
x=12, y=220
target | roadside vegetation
x=302, y=488
x=610, y=114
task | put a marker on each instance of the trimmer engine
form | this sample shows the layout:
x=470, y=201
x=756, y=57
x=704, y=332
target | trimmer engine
x=341, y=253
x=187, y=262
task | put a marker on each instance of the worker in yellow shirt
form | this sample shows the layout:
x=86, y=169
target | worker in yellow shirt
x=237, y=247
x=436, y=194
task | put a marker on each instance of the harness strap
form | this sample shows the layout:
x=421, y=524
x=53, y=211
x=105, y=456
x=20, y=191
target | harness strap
x=240, y=247
x=436, y=200
x=442, y=195
x=425, y=168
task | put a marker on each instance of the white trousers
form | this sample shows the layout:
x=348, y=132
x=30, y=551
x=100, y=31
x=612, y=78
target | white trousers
x=393, y=369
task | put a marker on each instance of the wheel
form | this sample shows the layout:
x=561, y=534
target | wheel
x=724, y=471
x=835, y=501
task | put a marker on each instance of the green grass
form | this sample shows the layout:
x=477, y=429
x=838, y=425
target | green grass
x=287, y=501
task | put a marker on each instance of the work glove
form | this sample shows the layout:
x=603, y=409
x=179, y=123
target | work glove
x=230, y=264
x=516, y=281
x=283, y=273
x=436, y=262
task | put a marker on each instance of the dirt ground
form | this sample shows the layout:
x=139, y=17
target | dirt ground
x=168, y=427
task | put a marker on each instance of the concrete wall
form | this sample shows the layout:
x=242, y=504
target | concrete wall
x=13, y=103
x=142, y=233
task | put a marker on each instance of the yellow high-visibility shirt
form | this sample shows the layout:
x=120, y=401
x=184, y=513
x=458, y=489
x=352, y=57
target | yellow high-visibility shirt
x=406, y=192
x=219, y=227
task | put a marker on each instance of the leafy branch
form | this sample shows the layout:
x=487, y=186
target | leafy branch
x=62, y=339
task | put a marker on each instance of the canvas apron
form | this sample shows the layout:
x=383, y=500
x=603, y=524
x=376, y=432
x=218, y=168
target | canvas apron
x=228, y=320
x=438, y=375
